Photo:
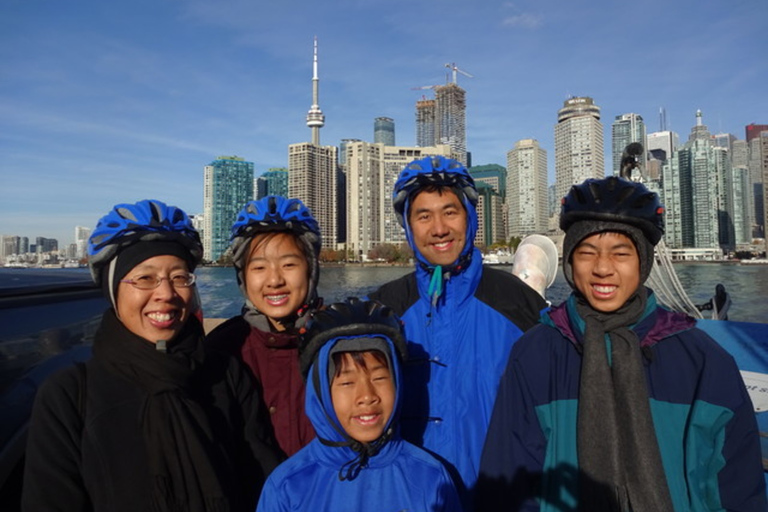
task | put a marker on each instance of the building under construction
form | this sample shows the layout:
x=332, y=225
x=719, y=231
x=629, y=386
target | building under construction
x=443, y=120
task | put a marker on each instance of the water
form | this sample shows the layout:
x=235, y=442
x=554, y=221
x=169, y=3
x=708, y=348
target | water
x=747, y=284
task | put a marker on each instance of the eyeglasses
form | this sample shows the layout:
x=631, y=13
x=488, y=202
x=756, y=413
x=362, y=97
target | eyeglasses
x=150, y=282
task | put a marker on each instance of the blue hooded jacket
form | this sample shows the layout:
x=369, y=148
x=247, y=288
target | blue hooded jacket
x=703, y=417
x=398, y=477
x=458, y=344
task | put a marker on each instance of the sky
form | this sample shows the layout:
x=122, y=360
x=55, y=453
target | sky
x=112, y=102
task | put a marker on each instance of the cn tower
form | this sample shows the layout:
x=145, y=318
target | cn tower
x=315, y=117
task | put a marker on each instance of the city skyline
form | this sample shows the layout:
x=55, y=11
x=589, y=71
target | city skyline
x=94, y=112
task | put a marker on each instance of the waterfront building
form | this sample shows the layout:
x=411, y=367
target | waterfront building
x=755, y=165
x=527, y=197
x=313, y=171
x=579, y=152
x=384, y=131
x=82, y=234
x=425, y=122
x=443, y=120
x=9, y=246
x=490, y=215
x=626, y=129
x=274, y=182
x=371, y=171
x=227, y=187
x=23, y=245
x=764, y=160
x=46, y=245
x=495, y=176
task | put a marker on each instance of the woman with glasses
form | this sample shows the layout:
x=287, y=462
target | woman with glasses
x=154, y=421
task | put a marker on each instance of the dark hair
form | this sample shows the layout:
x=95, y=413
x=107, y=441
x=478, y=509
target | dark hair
x=358, y=359
x=263, y=239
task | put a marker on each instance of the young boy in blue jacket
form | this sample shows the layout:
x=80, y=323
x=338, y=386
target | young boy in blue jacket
x=614, y=403
x=350, y=358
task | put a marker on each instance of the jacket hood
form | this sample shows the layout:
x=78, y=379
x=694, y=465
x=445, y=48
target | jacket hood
x=469, y=241
x=337, y=445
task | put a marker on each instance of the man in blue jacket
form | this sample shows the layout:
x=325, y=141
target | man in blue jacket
x=460, y=318
x=614, y=403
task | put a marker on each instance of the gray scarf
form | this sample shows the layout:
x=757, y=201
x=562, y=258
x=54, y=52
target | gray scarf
x=619, y=459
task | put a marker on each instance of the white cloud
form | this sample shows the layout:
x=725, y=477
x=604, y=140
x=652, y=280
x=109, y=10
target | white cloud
x=523, y=21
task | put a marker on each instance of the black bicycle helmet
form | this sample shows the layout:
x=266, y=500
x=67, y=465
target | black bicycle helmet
x=614, y=199
x=352, y=318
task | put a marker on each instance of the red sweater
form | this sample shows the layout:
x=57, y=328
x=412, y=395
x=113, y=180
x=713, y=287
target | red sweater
x=274, y=361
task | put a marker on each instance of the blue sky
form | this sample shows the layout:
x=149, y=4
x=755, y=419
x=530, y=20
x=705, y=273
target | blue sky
x=109, y=102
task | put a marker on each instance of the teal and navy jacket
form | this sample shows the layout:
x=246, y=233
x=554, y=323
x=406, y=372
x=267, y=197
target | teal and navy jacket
x=457, y=351
x=704, y=420
x=399, y=477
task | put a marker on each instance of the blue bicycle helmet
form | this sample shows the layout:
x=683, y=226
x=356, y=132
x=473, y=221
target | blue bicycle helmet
x=145, y=221
x=437, y=171
x=275, y=214
x=614, y=199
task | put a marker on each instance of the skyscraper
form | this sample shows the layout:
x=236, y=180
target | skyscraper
x=313, y=170
x=755, y=164
x=527, y=208
x=578, y=144
x=384, y=131
x=450, y=119
x=82, y=234
x=626, y=129
x=274, y=182
x=425, y=123
x=443, y=120
x=491, y=182
x=227, y=186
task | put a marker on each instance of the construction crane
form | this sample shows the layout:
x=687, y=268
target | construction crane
x=423, y=87
x=452, y=66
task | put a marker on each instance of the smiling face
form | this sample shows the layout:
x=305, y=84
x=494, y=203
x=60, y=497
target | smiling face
x=606, y=270
x=160, y=313
x=438, y=222
x=276, y=276
x=363, y=394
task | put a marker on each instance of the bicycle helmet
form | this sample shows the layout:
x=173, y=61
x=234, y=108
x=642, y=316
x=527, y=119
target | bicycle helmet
x=614, y=200
x=276, y=214
x=437, y=171
x=612, y=204
x=149, y=220
x=432, y=171
x=352, y=319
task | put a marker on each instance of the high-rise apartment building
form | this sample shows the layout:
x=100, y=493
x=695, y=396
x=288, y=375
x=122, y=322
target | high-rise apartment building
x=579, y=152
x=490, y=215
x=227, y=187
x=82, y=234
x=371, y=172
x=527, y=202
x=492, y=211
x=313, y=171
x=274, y=182
x=626, y=129
x=443, y=120
x=384, y=131
x=755, y=165
x=425, y=122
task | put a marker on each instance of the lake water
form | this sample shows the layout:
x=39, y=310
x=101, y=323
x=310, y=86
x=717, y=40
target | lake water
x=747, y=284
